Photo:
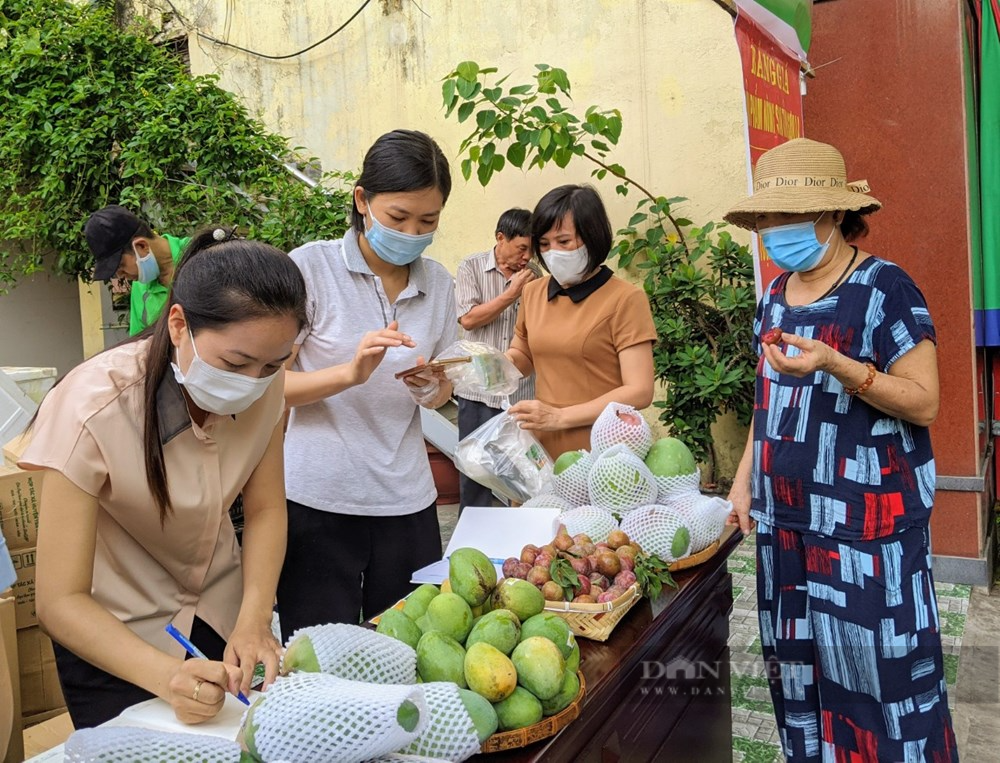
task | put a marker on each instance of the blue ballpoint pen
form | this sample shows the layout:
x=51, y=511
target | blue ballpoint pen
x=194, y=651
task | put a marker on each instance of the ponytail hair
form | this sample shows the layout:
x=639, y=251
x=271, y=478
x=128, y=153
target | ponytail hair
x=220, y=280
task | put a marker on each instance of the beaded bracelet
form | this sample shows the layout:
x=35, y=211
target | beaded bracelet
x=867, y=382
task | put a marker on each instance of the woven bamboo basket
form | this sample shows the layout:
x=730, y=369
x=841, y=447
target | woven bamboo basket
x=596, y=621
x=695, y=559
x=510, y=740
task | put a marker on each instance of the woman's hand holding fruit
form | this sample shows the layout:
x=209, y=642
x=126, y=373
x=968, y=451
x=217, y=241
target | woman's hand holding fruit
x=533, y=414
x=812, y=356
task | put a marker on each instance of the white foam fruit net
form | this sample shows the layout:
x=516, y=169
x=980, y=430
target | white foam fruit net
x=308, y=717
x=590, y=520
x=451, y=733
x=659, y=530
x=705, y=516
x=547, y=501
x=360, y=654
x=671, y=486
x=621, y=424
x=571, y=482
x=397, y=757
x=620, y=481
x=124, y=744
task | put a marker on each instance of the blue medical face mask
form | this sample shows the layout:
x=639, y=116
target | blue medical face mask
x=795, y=247
x=393, y=246
x=149, y=268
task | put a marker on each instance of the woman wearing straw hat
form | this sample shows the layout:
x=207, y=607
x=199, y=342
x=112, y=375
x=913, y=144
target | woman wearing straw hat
x=839, y=475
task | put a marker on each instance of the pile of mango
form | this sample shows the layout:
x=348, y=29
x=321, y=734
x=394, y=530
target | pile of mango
x=493, y=639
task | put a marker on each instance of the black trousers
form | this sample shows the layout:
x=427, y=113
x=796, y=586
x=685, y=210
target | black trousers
x=94, y=696
x=471, y=415
x=343, y=568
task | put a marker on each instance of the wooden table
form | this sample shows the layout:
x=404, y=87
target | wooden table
x=659, y=688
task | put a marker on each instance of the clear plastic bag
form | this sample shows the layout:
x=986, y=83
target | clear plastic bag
x=507, y=459
x=488, y=373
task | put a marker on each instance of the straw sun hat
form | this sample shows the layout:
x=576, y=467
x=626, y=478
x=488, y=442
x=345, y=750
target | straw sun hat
x=801, y=176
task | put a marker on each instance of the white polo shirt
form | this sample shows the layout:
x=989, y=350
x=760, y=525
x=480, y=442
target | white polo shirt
x=362, y=451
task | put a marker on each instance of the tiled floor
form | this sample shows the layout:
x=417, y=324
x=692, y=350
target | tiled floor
x=755, y=735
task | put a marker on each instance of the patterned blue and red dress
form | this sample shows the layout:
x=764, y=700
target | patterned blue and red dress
x=842, y=494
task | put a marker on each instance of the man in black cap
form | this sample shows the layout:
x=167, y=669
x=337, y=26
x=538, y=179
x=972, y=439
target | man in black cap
x=126, y=247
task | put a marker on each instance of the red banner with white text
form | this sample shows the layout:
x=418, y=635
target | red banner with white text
x=774, y=109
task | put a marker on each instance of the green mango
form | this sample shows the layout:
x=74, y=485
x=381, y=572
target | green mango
x=408, y=715
x=573, y=661
x=519, y=710
x=552, y=627
x=450, y=614
x=567, y=693
x=416, y=603
x=540, y=666
x=484, y=717
x=397, y=625
x=499, y=628
x=301, y=656
x=519, y=596
x=472, y=575
x=441, y=658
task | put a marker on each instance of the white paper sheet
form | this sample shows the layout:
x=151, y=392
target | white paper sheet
x=497, y=532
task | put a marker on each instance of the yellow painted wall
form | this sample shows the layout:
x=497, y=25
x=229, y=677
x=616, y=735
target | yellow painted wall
x=671, y=66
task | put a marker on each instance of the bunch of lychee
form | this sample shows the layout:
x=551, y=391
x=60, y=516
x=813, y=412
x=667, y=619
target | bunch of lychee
x=574, y=568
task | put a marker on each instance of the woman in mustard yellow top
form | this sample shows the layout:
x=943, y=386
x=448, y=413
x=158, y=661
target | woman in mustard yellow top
x=587, y=334
x=145, y=446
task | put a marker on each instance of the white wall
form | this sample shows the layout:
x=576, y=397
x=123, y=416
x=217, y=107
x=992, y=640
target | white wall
x=40, y=324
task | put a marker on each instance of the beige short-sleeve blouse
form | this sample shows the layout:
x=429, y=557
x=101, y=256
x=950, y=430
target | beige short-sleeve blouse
x=574, y=346
x=89, y=428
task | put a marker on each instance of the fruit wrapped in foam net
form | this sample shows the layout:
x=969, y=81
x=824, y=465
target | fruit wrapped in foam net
x=589, y=520
x=673, y=467
x=123, y=744
x=705, y=516
x=351, y=652
x=620, y=424
x=547, y=501
x=619, y=481
x=450, y=733
x=569, y=475
x=659, y=530
x=309, y=717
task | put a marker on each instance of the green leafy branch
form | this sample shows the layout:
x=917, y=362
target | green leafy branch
x=698, y=279
x=92, y=114
x=561, y=571
x=652, y=573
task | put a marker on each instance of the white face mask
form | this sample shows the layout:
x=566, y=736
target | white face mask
x=149, y=268
x=218, y=391
x=568, y=268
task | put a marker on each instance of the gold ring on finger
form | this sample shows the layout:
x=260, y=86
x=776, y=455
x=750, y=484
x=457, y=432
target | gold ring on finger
x=197, y=690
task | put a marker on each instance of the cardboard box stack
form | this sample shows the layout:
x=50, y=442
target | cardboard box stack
x=41, y=697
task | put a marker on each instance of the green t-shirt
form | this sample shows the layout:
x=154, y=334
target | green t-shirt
x=148, y=299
